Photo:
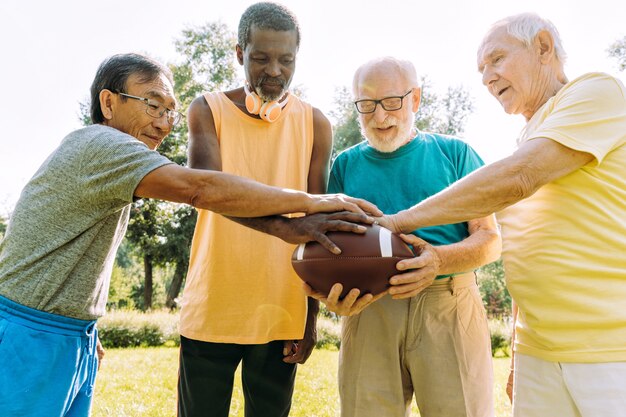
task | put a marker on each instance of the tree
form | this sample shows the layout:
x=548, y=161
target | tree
x=347, y=131
x=496, y=297
x=445, y=114
x=618, y=51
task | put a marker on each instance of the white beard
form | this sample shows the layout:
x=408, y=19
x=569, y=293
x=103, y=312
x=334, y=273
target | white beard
x=405, y=133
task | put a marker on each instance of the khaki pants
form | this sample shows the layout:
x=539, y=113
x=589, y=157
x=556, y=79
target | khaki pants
x=435, y=345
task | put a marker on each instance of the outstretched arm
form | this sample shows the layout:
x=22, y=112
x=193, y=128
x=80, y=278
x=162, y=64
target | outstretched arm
x=493, y=187
x=232, y=195
x=482, y=246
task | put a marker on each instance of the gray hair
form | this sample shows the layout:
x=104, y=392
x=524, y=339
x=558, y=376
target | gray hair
x=113, y=73
x=266, y=16
x=403, y=67
x=525, y=27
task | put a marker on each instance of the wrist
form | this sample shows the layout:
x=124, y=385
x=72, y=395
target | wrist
x=308, y=203
x=401, y=222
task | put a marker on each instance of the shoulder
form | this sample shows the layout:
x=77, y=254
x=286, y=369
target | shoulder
x=352, y=152
x=199, y=106
x=596, y=84
x=320, y=121
x=442, y=141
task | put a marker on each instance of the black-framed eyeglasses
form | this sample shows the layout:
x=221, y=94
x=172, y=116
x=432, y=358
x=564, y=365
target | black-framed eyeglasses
x=388, y=103
x=157, y=110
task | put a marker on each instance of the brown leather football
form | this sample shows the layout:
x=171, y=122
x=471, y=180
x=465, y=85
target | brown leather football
x=366, y=262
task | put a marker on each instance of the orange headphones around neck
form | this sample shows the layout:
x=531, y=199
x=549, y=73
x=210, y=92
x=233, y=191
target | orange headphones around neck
x=267, y=110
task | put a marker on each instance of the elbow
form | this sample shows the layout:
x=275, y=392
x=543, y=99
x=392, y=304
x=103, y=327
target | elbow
x=524, y=184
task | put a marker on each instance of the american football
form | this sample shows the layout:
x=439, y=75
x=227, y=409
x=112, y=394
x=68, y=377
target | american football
x=366, y=262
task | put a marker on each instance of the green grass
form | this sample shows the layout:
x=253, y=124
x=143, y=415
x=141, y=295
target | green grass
x=137, y=382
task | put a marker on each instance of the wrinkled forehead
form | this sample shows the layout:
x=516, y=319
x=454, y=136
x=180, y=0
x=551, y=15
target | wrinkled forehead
x=380, y=81
x=159, y=88
x=496, y=41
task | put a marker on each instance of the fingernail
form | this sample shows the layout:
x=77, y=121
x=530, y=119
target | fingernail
x=361, y=228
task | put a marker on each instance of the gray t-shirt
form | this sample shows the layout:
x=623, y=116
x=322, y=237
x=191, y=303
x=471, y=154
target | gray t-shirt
x=60, y=245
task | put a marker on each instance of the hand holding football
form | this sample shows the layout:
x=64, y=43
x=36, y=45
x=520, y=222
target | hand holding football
x=366, y=262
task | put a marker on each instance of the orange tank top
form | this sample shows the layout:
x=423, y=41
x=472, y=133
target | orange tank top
x=240, y=287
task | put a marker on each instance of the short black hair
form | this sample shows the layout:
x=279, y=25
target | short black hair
x=266, y=15
x=113, y=74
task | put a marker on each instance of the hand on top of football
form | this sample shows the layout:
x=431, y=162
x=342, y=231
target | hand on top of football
x=313, y=227
x=350, y=305
x=421, y=270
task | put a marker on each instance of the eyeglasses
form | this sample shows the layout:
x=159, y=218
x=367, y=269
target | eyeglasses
x=157, y=110
x=387, y=103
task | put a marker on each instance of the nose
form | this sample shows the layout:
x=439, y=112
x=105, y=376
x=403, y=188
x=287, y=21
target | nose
x=273, y=68
x=162, y=124
x=380, y=114
x=489, y=76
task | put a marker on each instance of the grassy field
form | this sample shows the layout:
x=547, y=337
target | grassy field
x=139, y=382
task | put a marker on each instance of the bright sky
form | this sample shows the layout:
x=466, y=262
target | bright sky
x=49, y=52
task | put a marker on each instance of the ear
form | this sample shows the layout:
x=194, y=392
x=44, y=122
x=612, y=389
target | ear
x=417, y=99
x=239, y=54
x=106, y=103
x=544, y=44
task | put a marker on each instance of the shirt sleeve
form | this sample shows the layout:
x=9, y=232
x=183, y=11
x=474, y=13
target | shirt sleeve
x=116, y=165
x=589, y=116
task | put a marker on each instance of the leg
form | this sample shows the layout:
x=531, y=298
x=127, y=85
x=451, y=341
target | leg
x=372, y=379
x=40, y=370
x=449, y=350
x=267, y=380
x=598, y=389
x=539, y=389
x=86, y=379
x=206, y=375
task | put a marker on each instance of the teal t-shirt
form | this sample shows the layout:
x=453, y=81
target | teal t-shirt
x=398, y=180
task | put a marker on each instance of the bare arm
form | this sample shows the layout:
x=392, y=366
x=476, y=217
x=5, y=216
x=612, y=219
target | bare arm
x=229, y=194
x=483, y=245
x=493, y=187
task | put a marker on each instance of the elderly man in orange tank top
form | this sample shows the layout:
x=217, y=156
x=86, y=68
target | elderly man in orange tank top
x=242, y=301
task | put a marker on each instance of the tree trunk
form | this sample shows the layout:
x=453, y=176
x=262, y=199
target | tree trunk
x=147, y=288
x=176, y=284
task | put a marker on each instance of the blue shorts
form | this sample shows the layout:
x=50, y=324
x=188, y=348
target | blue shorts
x=48, y=363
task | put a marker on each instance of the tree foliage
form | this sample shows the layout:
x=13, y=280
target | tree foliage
x=3, y=227
x=618, y=51
x=445, y=114
x=496, y=297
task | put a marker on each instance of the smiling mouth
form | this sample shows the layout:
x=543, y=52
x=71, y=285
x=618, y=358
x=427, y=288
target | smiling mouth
x=385, y=128
x=502, y=91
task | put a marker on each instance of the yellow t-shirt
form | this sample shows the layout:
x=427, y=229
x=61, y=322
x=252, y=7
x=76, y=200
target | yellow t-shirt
x=241, y=287
x=565, y=246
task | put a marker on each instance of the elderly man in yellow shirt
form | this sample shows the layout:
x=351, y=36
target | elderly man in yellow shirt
x=562, y=203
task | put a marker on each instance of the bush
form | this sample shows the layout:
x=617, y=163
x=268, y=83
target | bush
x=492, y=285
x=500, y=331
x=131, y=328
x=328, y=333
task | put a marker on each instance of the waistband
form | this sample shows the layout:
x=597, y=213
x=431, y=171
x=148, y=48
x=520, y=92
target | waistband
x=40, y=320
x=453, y=283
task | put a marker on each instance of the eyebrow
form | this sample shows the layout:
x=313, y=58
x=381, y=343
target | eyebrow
x=489, y=56
x=161, y=97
